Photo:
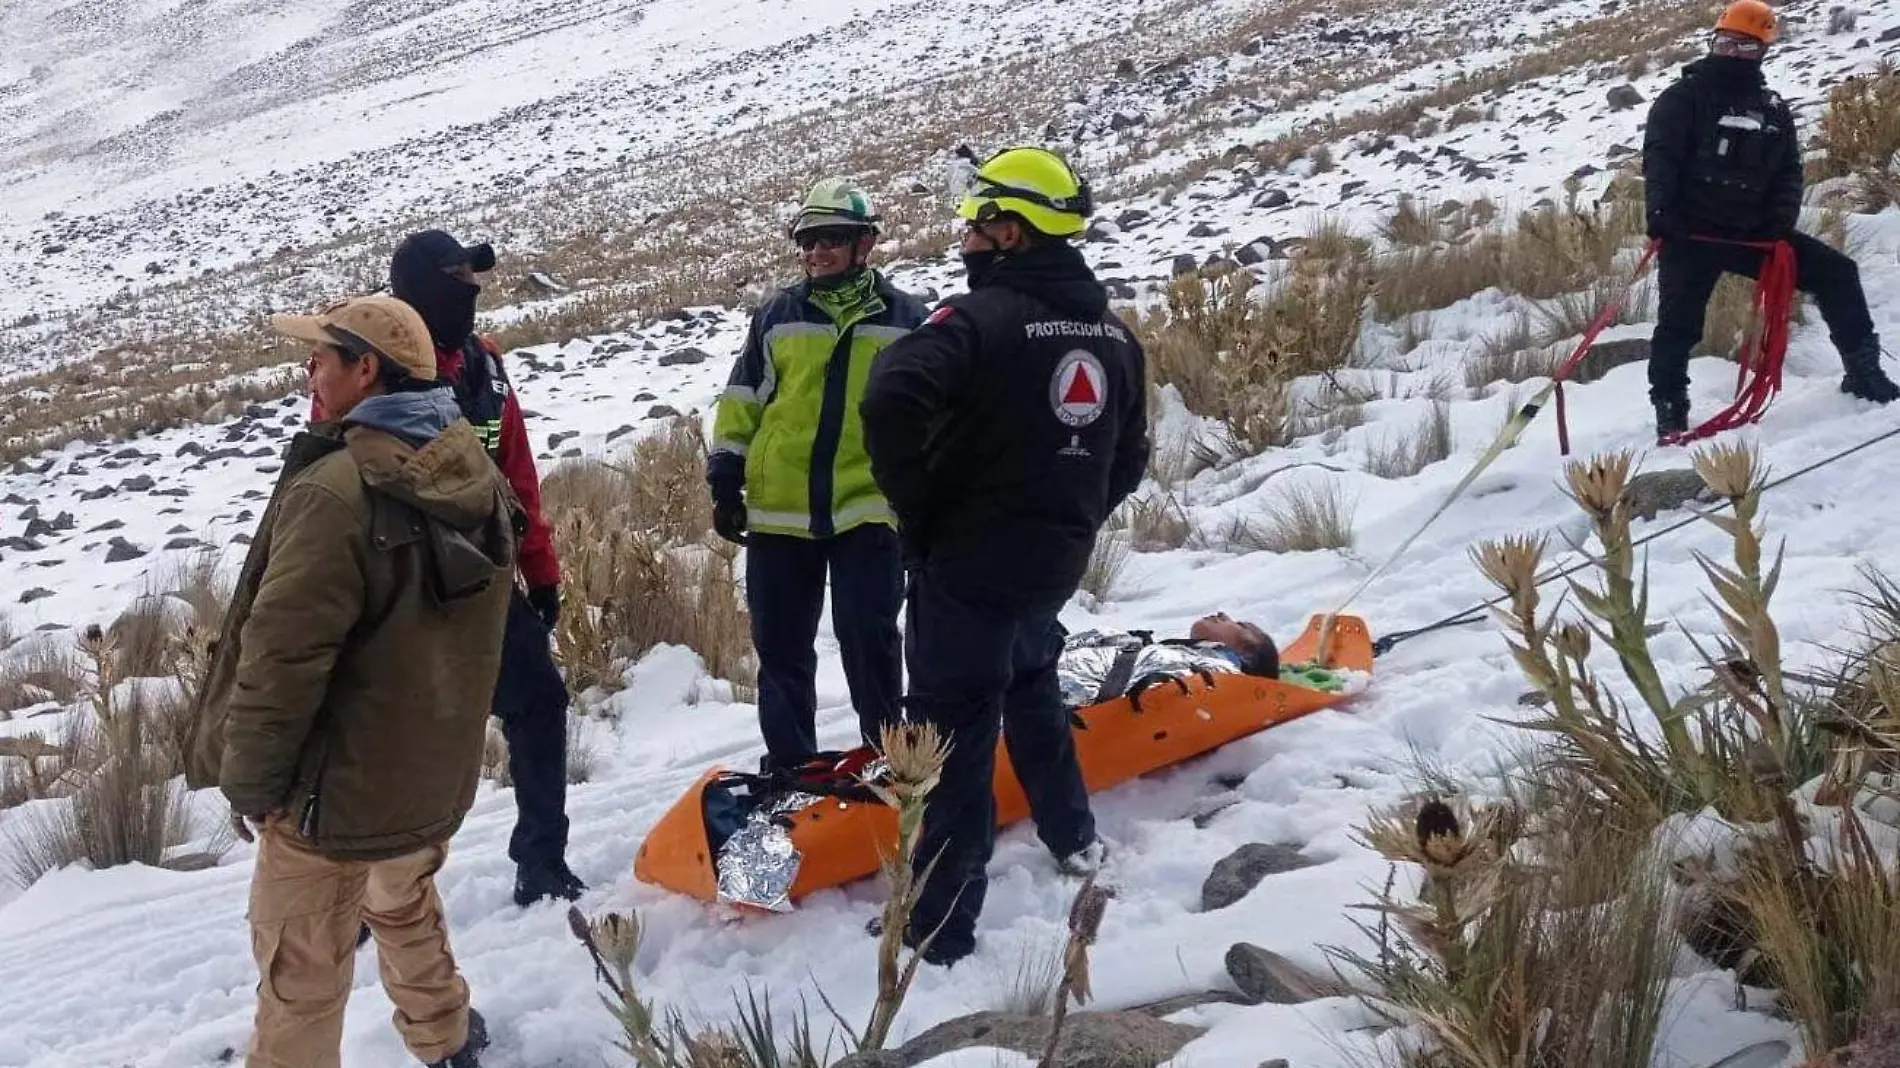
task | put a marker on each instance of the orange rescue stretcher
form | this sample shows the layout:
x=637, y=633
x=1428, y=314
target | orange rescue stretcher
x=842, y=839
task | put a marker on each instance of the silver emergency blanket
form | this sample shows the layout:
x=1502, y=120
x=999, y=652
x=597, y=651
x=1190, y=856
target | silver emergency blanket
x=1088, y=658
x=758, y=864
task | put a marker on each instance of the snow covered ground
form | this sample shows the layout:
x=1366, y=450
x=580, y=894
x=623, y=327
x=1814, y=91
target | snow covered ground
x=152, y=968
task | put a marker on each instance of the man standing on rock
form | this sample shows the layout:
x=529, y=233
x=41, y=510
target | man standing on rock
x=1722, y=175
x=344, y=712
x=1004, y=431
x=434, y=274
x=790, y=480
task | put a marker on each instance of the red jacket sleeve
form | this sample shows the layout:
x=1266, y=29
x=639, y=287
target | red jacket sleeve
x=539, y=564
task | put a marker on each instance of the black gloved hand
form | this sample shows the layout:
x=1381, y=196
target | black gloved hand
x=729, y=519
x=1662, y=227
x=546, y=602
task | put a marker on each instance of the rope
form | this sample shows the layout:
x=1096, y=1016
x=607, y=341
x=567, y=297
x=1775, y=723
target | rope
x=1476, y=614
x=1758, y=377
x=1507, y=437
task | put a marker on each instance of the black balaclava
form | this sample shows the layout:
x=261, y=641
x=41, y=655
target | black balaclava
x=446, y=303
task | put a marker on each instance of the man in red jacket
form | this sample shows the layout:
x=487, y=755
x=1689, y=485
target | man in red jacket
x=433, y=273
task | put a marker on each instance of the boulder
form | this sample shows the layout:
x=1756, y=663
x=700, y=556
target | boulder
x=619, y=432
x=138, y=484
x=663, y=411
x=1185, y=264
x=1664, y=491
x=1089, y=1039
x=1236, y=875
x=558, y=437
x=1624, y=97
x=1272, y=198
x=1889, y=35
x=1131, y=218
x=1266, y=978
x=1605, y=355
x=37, y=593
x=121, y=550
x=684, y=356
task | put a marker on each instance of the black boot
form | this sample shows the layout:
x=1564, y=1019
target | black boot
x=1672, y=417
x=534, y=882
x=1864, y=378
x=469, y=1055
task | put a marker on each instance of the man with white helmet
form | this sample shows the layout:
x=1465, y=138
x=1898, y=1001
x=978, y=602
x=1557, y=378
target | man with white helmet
x=791, y=482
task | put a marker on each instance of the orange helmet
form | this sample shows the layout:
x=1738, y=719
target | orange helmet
x=1752, y=18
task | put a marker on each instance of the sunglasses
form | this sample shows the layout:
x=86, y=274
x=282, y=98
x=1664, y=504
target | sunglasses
x=828, y=238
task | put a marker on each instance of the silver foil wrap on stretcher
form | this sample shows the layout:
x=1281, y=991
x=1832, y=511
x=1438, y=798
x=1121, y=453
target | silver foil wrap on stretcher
x=758, y=864
x=1088, y=658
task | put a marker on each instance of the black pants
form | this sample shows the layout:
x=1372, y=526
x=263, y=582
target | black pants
x=1688, y=271
x=785, y=593
x=973, y=672
x=531, y=702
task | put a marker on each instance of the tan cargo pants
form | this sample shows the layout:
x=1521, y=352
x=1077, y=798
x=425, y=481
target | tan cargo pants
x=305, y=912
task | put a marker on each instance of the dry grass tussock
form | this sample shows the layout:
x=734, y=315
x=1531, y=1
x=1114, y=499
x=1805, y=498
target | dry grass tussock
x=115, y=771
x=1233, y=346
x=1527, y=942
x=1310, y=516
x=1408, y=452
x=1548, y=253
x=1859, y=136
x=643, y=567
x=1107, y=564
x=1798, y=764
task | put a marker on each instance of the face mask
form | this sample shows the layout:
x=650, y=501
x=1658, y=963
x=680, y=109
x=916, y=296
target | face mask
x=446, y=303
x=978, y=265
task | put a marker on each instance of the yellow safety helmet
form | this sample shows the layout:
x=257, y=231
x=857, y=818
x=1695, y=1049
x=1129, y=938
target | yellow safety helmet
x=1032, y=183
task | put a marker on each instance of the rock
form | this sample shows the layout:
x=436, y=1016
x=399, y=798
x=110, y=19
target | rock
x=122, y=550
x=619, y=432
x=643, y=395
x=555, y=439
x=684, y=356
x=663, y=411
x=1101, y=230
x=1266, y=978
x=184, y=543
x=1124, y=120
x=1624, y=97
x=1205, y=230
x=21, y=545
x=1271, y=198
x=1609, y=354
x=1277, y=1062
x=1347, y=190
x=1890, y=35
x=1664, y=491
x=1218, y=266
x=98, y=494
x=1259, y=250
x=65, y=521
x=1089, y=1039
x=1185, y=264
x=37, y=593
x=108, y=525
x=137, y=484
x=1131, y=218
x=38, y=528
x=1236, y=875
x=1125, y=68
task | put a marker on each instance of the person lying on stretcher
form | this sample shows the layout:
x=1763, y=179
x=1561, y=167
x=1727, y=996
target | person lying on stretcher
x=1099, y=665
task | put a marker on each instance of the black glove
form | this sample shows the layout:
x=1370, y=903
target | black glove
x=729, y=519
x=1663, y=227
x=546, y=602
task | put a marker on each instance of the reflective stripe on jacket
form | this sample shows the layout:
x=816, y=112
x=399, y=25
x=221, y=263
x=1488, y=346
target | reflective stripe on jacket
x=787, y=430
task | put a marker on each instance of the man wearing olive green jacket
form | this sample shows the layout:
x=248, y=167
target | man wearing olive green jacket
x=790, y=479
x=345, y=710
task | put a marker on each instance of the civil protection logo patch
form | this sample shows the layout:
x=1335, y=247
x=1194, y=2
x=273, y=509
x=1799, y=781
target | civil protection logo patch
x=1078, y=391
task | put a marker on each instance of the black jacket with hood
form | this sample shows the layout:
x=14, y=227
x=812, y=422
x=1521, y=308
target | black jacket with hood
x=1721, y=156
x=1007, y=427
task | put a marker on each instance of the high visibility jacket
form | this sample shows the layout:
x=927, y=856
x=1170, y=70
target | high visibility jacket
x=787, y=431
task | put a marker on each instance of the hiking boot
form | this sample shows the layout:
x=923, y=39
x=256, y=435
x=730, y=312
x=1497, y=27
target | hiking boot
x=469, y=1055
x=534, y=882
x=1085, y=861
x=1672, y=418
x=1863, y=377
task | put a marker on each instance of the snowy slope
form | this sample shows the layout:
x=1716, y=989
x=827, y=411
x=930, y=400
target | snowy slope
x=152, y=968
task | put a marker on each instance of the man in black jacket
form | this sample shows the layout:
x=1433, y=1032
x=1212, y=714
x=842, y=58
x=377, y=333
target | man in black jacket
x=1003, y=432
x=1721, y=161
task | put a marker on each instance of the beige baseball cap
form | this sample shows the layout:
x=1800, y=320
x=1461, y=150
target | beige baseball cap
x=360, y=325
